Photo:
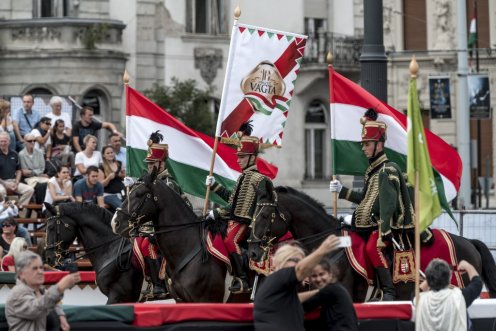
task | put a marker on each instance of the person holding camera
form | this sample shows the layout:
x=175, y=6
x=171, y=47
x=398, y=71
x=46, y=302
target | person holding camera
x=28, y=306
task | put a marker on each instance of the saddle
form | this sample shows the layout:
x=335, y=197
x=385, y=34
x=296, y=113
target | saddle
x=403, y=261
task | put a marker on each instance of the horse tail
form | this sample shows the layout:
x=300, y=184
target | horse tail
x=488, y=266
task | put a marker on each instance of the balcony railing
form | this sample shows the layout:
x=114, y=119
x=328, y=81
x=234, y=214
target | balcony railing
x=64, y=34
x=345, y=49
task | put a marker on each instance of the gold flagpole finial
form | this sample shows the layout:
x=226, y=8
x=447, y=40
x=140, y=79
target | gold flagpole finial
x=237, y=12
x=125, y=77
x=414, y=67
x=329, y=58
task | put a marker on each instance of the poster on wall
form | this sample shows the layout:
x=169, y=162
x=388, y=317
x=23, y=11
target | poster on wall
x=479, y=96
x=439, y=93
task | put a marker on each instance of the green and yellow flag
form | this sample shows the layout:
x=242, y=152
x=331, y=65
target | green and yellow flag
x=418, y=159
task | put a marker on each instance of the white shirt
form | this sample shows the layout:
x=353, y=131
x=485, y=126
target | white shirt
x=81, y=158
x=58, y=190
x=62, y=116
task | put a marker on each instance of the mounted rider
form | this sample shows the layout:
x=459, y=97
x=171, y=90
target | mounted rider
x=384, y=205
x=242, y=202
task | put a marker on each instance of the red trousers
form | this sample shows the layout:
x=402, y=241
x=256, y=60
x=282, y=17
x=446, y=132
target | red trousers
x=374, y=253
x=236, y=233
x=146, y=248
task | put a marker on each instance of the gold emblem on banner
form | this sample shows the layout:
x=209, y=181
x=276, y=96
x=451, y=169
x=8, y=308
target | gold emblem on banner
x=404, y=266
x=264, y=79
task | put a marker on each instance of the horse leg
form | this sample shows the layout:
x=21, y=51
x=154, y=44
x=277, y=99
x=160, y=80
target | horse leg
x=488, y=266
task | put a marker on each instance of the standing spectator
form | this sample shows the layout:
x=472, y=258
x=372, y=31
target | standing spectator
x=10, y=172
x=277, y=306
x=25, y=119
x=111, y=175
x=59, y=145
x=11, y=230
x=60, y=187
x=57, y=114
x=41, y=133
x=88, y=126
x=115, y=141
x=6, y=123
x=28, y=306
x=443, y=308
x=88, y=189
x=18, y=245
x=337, y=311
x=89, y=157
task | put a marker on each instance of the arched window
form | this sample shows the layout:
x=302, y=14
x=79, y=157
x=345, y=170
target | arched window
x=95, y=99
x=316, y=141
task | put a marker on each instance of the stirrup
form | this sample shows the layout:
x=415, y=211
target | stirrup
x=242, y=288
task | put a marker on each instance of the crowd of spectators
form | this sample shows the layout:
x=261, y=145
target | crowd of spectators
x=53, y=158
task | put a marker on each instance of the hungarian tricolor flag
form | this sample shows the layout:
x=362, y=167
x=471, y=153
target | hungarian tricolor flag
x=261, y=71
x=349, y=102
x=190, y=152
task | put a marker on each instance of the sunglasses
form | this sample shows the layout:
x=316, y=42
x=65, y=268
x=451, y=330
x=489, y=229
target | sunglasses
x=7, y=224
x=30, y=141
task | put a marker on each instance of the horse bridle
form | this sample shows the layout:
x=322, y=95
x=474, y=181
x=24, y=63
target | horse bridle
x=266, y=242
x=135, y=218
x=59, y=251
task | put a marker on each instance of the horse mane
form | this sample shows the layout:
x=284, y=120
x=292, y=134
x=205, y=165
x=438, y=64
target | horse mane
x=71, y=209
x=302, y=196
x=183, y=205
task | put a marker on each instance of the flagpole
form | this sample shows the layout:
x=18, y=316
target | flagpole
x=237, y=14
x=125, y=79
x=334, y=198
x=413, y=73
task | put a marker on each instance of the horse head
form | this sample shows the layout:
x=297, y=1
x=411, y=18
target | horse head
x=60, y=234
x=269, y=223
x=139, y=207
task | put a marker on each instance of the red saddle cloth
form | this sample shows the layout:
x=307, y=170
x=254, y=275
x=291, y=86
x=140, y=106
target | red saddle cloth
x=142, y=249
x=442, y=248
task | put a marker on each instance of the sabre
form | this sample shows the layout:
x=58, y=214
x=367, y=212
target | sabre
x=398, y=247
x=254, y=289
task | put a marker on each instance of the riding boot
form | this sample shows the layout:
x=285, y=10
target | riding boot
x=240, y=282
x=154, y=269
x=386, y=284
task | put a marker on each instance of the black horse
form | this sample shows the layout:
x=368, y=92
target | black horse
x=307, y=220
x=193, y=275
x=109, y=254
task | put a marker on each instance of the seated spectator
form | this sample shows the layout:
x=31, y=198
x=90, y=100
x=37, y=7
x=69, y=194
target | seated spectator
x=111, y=176
x=7, y=209
x=28, y=305
x=60, y=187
x=11, y=230
x=6, y=123
x=58, y=115
x=88, y=189
x=10, y=172
x=443, y=308
x=277, y=306
x=18, y=245
x=87, y=125
x=59, y=145
x=337, y=311
x=89, y=157
x=115, y=141
x=41, y=133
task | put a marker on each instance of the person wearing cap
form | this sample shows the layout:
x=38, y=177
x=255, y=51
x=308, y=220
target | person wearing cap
x=242, y=202
x=384, y=204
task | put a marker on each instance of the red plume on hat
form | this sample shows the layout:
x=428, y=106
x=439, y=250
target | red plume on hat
x=248, y=145
x=372, y=130
x=156, y=151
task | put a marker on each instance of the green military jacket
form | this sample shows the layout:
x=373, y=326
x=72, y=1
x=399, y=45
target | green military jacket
x=384, y=202
x=250, y=187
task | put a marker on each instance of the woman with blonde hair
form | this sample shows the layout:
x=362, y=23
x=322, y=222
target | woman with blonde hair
x=277, y=305
x=111, y=176
x=18, y=245
x=6, y=123
x=87, y=157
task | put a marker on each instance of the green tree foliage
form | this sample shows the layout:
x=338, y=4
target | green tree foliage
x=186, y=102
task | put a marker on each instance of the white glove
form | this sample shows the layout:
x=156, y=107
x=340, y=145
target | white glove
x=210, y=215
x=210, y=180
x=128, y=181
x=335, y=186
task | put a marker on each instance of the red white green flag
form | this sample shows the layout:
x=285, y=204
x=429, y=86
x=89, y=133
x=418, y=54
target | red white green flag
x=349, y=102
x=261, y=71
x=190, y=152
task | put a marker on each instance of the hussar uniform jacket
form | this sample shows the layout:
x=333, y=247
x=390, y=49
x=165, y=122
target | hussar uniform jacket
x=384, y=202
x=250, y=187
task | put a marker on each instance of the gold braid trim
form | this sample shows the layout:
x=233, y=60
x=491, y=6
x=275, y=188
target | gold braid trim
x=364, y=209
x=247, y=193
